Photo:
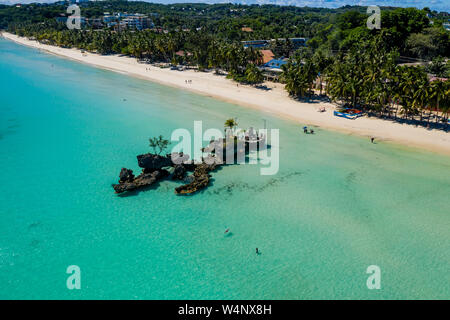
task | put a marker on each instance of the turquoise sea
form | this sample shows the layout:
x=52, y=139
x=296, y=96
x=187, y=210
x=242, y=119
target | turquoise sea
x=337, y=205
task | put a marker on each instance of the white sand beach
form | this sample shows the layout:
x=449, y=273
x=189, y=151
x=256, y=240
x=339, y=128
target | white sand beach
x=275, y=100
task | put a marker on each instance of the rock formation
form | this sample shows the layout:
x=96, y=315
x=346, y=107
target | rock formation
x=179, y=172
x=198, y=180
x=175, y=166
x=142, y=180
x=126, y=175
x=153, y=161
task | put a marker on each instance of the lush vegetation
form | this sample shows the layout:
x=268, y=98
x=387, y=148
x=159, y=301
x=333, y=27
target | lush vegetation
x=368, y=77
x=361, y=67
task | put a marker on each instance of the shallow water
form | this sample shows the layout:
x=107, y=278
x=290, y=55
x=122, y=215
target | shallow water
x=337, y=205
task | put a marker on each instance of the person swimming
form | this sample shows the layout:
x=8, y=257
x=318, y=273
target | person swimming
x=257, y=251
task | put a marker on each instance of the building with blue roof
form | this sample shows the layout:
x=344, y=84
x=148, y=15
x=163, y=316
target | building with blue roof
x=275, y=63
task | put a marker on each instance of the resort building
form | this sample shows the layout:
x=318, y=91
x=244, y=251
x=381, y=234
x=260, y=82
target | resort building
x=272, y=69
x=183, y=53
x=275, y=64
x=109, y=18
x=62, y=18
x=94, y=22
x=256, y=43
x=77, y=1
x=296, y=42
x=124, y=20
x=267, y=55
x=434, y=78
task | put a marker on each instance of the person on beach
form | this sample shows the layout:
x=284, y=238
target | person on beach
x=305, y=129
x=372, y=139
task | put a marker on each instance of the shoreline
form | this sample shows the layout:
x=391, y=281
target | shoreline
x=275, y=100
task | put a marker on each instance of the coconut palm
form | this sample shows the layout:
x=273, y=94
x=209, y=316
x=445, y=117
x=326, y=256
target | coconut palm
x=438, y=94
x=230, y=123
x=253, y=74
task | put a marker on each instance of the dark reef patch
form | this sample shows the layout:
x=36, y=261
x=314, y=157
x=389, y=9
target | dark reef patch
x=35, y=243
x=34, y=225
x=231, y=187
x=274, y=181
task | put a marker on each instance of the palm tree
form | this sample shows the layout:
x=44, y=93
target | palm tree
x=298, y=77
x=322, y=63
x=253, y=74
x=438, y=93
x=420, y=96
x=230, y=124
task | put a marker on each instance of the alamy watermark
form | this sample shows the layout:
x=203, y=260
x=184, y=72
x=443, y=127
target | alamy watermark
x=74, y=20
x=374, y=21
x=74, y=280
x=234, y=146
x=374, y=280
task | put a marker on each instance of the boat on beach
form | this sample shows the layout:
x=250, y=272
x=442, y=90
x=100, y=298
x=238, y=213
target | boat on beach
x=348, y=113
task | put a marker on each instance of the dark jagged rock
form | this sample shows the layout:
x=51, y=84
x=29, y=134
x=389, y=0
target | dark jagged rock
x=126, y=175
x=156, y=167
x=189, y=166
x=153, y=161
x=142, y=180
x=199, y=179
x=179, y=172
x=199, y=183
